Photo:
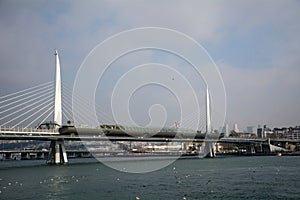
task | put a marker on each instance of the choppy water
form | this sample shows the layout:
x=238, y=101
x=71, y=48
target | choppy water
x=218, y=178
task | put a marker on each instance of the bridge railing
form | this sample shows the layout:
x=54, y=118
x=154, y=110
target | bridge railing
x=26, y=130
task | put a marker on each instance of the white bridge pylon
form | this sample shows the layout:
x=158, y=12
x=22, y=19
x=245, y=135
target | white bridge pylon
x=210, y=146
x=57, y=150
x=57, y=101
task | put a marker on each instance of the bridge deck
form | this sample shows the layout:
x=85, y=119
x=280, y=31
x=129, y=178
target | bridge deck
x=53, y=135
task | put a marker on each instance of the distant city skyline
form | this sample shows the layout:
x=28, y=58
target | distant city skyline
x=255, y=45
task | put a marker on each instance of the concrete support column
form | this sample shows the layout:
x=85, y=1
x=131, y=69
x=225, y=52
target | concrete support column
x=252, y=149
x=57, y=153
x=64, y=152
x=210, y=149
x=212, y=152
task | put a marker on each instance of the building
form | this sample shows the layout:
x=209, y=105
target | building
x=294, y=133
x=259, y=132
x=226, y=130
x=250, y=129
x=235, y=128
x=267, y=132
x=281, y=132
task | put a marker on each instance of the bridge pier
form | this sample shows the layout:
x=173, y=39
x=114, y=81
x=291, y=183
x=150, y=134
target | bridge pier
x=211, y=149
x=57, y=152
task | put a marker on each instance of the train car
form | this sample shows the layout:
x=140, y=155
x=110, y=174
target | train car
x=47, y=125
x=68, y=130
x=108, y=130
x=114, y=130
x=121, y=131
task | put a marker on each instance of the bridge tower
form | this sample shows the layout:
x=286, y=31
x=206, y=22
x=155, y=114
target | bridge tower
x=209, y=145
x=57, y=102
x=57, y=152
x=208, y=116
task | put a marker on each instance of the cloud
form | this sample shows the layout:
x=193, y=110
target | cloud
x=258, y=42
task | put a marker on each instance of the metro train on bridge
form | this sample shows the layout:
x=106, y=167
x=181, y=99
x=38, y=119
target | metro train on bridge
x=113, y=130
x=121, y=131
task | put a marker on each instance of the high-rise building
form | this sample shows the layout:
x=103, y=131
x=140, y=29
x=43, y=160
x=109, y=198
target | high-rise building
x=235, y=128
x=226, y=130
x=259, y=131
x=264, y=132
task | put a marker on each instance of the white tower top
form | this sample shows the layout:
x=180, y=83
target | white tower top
x=57, y=102
x=208, y=116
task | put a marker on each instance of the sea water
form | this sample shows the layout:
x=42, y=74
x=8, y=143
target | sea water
x=262, y=177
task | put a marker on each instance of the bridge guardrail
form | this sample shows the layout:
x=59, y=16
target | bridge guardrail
x=24, y=131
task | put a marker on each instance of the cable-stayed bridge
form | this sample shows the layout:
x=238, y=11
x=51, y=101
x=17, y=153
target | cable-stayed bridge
x=44, y=112
x=38, y=113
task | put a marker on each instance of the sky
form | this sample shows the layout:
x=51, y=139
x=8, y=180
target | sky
x=255, y=45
